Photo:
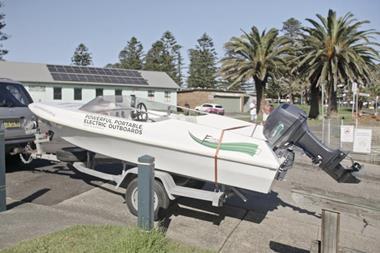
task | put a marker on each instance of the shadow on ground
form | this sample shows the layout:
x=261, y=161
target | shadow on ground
x=284, y=248
x=255, y=210
x=47, y=183
x=28, y=199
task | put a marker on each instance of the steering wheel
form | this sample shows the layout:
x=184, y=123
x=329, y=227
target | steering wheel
x=141, y=113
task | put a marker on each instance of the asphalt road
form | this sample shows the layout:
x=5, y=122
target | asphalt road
x=44, y=182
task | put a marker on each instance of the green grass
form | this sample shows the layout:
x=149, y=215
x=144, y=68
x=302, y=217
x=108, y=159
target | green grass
x=102, y=238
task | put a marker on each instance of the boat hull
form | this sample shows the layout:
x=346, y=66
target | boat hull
x=246, y=176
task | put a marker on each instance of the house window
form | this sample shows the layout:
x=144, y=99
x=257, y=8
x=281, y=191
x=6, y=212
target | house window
x=57, y=93
x=99, y=92
x=151, y=93
x=167, y=96
x=77, y=94
x=118, y=92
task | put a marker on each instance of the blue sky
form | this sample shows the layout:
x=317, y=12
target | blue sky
x=48, y=31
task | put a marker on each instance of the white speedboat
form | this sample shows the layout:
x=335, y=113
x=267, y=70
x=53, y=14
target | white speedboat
x=202, y=146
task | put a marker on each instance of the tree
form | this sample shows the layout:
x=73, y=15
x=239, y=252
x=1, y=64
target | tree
x=374, y=87
x=131, y=55
x=154, y=59
x=335, y=50
x=291, y=82
x=256, y=56
x=3, y=36
x=113, y=65
x=165, y=56
x=292, y=29
x=81, y=56
x=202, y=69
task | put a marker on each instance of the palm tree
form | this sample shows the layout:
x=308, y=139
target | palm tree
x=256, y=56
x=334, y=51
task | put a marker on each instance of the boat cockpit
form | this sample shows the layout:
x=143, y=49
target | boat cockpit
x=139, y=109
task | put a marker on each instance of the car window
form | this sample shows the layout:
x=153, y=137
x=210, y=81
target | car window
x=206, y=105
x=219, y=106
x=13, y=95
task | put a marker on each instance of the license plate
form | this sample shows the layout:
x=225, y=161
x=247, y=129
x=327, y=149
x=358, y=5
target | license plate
x=12, y=124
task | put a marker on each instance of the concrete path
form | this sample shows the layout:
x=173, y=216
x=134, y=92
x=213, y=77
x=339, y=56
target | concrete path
x=286, y=220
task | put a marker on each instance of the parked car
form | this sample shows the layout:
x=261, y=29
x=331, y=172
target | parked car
x=211, y=108
x=19, y=122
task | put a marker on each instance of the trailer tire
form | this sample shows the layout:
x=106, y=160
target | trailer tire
x=160, y=198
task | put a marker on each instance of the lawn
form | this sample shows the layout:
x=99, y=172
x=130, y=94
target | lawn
x=102, y=238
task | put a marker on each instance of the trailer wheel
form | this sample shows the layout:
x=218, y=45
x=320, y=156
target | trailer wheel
x=160, y=198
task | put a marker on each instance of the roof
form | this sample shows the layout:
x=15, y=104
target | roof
x=39, y=73
x=189, y=90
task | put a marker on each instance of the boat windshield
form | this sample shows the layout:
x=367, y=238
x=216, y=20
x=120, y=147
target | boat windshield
x=138, y=109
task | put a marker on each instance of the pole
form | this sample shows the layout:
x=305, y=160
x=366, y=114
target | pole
x=330, y=231
x=357, y=109
x=377, y=99
x=323, y=113
x=3, y=204
x=354, y=91
x=340, y=137
x=328, y=131
x=145, y=179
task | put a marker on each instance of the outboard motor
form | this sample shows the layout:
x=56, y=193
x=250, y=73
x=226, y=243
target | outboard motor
x=286, y=126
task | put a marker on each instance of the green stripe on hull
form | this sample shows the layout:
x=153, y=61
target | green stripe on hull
x=247, y=148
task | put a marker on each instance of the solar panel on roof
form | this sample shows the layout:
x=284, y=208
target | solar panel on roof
x=60, y=69
x=91, y=78
x=77, y=70
x=108, y=72
x=97, y=75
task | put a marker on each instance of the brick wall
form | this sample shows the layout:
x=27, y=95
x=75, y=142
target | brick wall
x=195, y=98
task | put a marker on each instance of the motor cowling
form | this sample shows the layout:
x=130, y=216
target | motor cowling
x=286, y=126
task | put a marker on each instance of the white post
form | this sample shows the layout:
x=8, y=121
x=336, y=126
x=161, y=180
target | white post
x=340, y=131
x=323, y=113
x=354, y=90
x=328, y=131
x=357, y=109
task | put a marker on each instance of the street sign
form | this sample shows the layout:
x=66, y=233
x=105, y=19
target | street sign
x=362, y=140
x=346, y=133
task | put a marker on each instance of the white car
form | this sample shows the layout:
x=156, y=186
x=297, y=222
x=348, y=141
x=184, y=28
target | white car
x=211, y=108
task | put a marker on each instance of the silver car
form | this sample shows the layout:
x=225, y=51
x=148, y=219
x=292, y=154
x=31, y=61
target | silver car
x=19, y=122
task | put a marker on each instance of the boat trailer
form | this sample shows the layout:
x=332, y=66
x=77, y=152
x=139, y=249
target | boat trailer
x=169, y=186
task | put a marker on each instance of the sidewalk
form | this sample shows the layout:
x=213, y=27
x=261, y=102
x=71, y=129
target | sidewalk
x=286, y=220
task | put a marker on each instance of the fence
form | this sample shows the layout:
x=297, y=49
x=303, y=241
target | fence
x=329, y=132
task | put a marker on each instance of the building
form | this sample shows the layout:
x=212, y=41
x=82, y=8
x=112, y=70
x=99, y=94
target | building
x=232, y=101
x=64, y=83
